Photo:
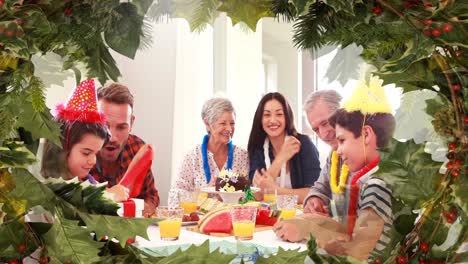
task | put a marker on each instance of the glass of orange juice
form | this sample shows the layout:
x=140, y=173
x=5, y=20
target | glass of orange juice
x=188, y=201
x=169, y=226
x=243, y=221
x=269, y=195
x=287, y=204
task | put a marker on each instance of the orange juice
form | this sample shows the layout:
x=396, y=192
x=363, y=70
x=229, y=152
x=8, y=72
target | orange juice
x=170, y=229
x=269, y=198
x=288, y=213
x=189, y=207
x=243, y=230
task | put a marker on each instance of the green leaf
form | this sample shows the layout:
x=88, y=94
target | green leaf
x=284, y=257
x=40, y=124
x=11, y=235
x=197, y=255
x=66, y=240
x=124, y=36
x=409, y=171
x=14, y=154
x=344, y=65
x=247, y=11
x=341, y=5
x=460, y=193
x=114, y=226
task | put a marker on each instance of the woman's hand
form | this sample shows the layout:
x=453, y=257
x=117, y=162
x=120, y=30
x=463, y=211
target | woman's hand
x=120, y=192
x=290, y=147
x=263, y=180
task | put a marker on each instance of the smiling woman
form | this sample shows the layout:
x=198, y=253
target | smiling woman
x=280, y=157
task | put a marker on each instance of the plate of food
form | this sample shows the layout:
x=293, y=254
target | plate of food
x=229, y=197
x=191, y=219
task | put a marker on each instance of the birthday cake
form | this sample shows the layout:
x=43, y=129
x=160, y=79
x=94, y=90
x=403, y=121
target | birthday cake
x=228, y=181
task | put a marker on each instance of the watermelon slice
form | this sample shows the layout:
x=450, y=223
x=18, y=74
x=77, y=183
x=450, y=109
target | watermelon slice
x=267, y=217
x=216, y=222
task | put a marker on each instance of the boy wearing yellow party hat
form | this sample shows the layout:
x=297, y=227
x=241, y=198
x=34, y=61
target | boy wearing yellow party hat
x=363, y=125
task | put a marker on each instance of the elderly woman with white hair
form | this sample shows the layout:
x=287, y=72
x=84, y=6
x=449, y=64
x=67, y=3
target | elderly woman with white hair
x=203, y=163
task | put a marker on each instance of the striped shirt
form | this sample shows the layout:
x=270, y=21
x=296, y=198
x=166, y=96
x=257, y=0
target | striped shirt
x=374, y=194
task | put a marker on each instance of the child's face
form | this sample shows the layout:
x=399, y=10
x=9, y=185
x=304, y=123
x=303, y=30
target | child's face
x=350, y=148
x=82, y=156
x=273, y=119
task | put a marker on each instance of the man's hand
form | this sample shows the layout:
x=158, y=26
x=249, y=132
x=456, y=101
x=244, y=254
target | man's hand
x=288, y=230
x=316, y=205
x=290, y=147
x=120, y=193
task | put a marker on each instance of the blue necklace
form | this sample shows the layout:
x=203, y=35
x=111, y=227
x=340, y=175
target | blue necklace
x=204, y=150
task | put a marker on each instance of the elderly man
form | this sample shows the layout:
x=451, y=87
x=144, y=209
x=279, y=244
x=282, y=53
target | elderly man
x=319, y=106
x=116, y=102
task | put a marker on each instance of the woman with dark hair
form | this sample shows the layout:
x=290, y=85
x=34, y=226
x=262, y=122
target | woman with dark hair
x=280, y=157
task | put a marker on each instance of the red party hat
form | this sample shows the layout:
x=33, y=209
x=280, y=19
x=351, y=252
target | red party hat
x=81, y=106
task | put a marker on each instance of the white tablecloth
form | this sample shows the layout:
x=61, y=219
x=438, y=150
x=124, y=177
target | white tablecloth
x=265, y=241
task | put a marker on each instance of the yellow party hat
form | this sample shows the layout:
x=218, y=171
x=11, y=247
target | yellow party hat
x=369, y=98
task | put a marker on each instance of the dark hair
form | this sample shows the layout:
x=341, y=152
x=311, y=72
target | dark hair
x=257, y=134
x=383, y=124
x=115, y=93
x=54, y=163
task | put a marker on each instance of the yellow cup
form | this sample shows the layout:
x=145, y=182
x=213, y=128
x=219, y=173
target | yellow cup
x=189, y=207
x=169, y=226
x=243, y=221
x=287, y=204
x=269, y=195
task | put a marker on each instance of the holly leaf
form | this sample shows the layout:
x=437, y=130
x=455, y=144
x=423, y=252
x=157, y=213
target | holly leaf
x=247, y=11
x=460, y=194
x=343, y=65
x=40, y=124
x=11, y=235
x=117, y=227
x=7, y=181
x=124, y=36
x=409, y=171
x=66, y=240
x=341, y=5
x=284, y=257
x=418, y=48
x=198, y=255
x=414, y=122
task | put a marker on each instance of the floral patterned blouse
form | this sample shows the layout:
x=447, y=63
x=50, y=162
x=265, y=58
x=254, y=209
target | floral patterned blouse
x=192, y=175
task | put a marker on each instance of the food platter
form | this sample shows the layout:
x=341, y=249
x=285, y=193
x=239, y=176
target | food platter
x=228, y=197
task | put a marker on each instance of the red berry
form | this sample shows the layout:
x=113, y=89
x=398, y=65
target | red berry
x=401, y=260
x=465, y=120
x=427, y=22
x=447, y=28
x=9, y=33
x=378, y=261
x=424, y=247
x=436, y=32
x=450, y=155
x=457, y=164
x=458, y=53
x=44, y=260
x=1, y=30
x=449, y=165
x=130, y=241
x=13, y=261
x=377, y=10
x=452, y=145
x=422, y=262
x=455, y=173
x=427, y=32
x=2, y=2
x=21, y=248
x=456, y=87
x=68, y=11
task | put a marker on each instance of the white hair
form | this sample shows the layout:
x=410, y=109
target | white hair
x=330, y=97
x=214, y=108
